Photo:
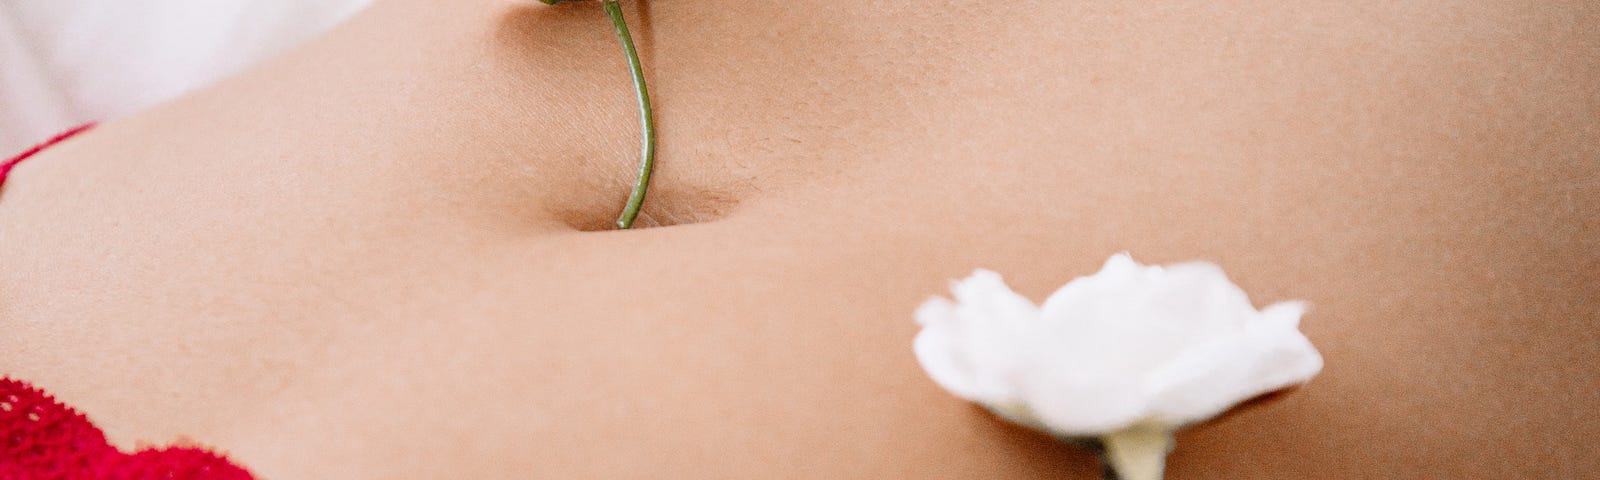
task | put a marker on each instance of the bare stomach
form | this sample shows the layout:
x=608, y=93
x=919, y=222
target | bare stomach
x=374, y=264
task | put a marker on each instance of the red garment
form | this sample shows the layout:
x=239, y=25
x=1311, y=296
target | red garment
x=41, y=439
x=6, y=166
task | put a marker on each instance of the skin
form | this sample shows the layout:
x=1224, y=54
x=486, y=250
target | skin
x=385, y=254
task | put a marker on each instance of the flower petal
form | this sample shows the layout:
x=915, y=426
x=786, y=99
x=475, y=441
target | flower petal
x=1129, y=345
x=1209, y=378
x=940, y=352
x=970, y=347
x=1131, y=318
x=1076, y=400
x=984, y=296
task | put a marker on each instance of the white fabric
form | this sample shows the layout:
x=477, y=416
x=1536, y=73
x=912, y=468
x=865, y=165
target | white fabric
x=65, y=62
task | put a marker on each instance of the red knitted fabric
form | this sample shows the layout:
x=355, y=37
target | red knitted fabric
x=41, y=439
x=5, y=167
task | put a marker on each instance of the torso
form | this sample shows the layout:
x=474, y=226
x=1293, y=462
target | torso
x=359, y=263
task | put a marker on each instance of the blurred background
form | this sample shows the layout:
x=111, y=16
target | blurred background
x=66, y=62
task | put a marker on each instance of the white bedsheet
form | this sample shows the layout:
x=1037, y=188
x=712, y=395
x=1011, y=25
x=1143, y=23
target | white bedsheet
x=65, y=62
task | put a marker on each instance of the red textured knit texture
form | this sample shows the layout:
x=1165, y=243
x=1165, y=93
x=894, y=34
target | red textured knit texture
x=5, y=167
x=41, y=439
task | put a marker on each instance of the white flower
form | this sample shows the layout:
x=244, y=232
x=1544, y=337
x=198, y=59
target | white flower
x=1127, y=355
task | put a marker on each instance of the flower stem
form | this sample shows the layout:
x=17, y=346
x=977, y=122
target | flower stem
x=1138, y=452
x=647, y=124
x=1107, y=472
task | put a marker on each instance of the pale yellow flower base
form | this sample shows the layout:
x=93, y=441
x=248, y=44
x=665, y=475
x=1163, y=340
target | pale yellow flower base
x=1139, y=452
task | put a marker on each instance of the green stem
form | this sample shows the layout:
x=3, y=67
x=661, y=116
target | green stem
x=647, y=124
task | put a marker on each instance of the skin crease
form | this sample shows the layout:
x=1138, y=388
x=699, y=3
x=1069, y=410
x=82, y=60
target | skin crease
x=376, y=256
